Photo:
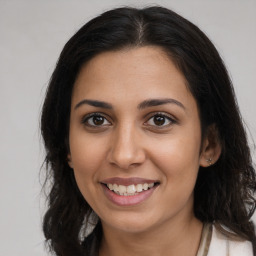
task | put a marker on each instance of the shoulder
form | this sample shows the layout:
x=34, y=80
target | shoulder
x=222, y=245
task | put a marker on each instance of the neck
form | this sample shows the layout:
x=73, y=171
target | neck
x=171, y=238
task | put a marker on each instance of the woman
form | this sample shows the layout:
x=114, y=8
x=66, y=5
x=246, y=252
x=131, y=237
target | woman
x=142, y=131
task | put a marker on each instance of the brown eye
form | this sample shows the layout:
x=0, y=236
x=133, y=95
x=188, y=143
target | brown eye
x=159, y=120
x=98, y=120
x=95, y=120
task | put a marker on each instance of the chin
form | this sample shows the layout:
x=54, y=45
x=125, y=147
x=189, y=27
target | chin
x=131, y=224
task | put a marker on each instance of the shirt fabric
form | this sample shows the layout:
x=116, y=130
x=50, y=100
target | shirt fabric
x=213, y=243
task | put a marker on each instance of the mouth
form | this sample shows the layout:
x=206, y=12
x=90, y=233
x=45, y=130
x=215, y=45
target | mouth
x=128, y=191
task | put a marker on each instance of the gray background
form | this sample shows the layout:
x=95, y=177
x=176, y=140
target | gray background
x=32, y=34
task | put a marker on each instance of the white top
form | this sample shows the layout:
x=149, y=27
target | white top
x=214, y=243
x=222, y=246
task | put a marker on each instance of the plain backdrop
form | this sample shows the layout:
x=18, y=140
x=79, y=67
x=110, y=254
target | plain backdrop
x=32, y=34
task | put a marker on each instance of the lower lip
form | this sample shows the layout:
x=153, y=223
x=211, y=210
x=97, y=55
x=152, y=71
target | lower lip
x=128, y=200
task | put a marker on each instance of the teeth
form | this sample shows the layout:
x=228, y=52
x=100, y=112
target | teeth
x=130, y=190
x=139, y=187
x=145, y=186
x=116, y=188
x=122, y=189
x=151, y=185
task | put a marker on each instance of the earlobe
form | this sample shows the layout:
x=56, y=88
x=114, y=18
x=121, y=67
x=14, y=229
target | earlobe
x=70, y=163
x=211, y=148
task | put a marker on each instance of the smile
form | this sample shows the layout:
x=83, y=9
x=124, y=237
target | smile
x=128, y=191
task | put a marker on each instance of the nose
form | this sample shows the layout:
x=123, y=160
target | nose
x=126, y=149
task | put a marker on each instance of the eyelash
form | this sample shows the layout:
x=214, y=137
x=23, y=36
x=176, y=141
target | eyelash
x=170, y=119
x=93, y=115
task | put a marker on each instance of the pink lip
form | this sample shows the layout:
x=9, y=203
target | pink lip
x=127, y=181
x=127, y=200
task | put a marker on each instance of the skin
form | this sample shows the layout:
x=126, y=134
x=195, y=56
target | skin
x=129, y=144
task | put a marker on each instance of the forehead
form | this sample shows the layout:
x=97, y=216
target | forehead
x=131, y=74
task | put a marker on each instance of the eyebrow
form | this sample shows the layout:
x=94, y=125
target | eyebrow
x=94, y=103
x=158, y=102
x=144, y=104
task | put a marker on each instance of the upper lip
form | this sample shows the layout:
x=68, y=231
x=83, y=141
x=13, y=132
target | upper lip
x=127, y=181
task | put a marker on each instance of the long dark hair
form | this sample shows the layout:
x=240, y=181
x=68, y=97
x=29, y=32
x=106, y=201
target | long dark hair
x=223, y=192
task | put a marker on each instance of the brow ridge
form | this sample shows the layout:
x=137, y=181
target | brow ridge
x=144, y=104
x=94, y=103
x=158, y=102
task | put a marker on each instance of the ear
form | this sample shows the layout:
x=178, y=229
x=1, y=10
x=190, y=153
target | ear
x=70, y=163
x=211, y=147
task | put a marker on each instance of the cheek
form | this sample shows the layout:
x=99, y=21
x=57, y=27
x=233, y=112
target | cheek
x=87, y=156
x=178, y=157
x=83, y=148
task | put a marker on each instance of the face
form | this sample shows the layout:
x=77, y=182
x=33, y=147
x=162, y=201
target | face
x=135, y=139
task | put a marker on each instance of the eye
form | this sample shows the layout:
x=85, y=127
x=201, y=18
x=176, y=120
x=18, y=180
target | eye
x=160, y=120
x=95, y=120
